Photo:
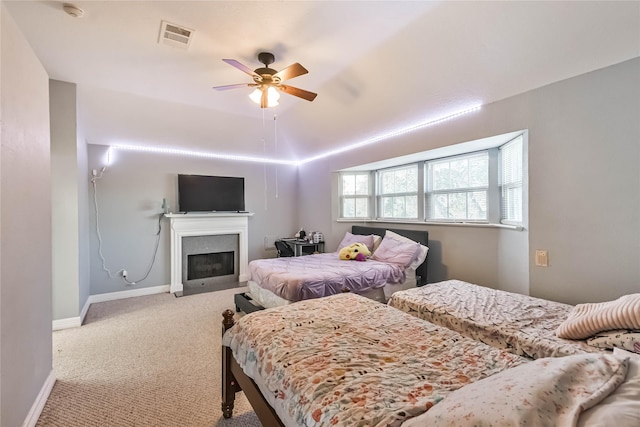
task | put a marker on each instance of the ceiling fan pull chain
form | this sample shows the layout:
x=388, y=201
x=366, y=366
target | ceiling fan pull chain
x=275, y=145
x=264, y=166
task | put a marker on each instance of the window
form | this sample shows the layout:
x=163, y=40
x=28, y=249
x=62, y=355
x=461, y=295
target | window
x=398, y=192
x=511, y=181
x=481, y=181
x=457, y=188
x=355, y=194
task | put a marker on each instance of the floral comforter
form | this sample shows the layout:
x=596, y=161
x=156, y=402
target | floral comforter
x=347, y=360
x=522, y=324
x=320, y=275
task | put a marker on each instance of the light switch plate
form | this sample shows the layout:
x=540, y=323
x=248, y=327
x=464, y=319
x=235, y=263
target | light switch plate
x=542, y=258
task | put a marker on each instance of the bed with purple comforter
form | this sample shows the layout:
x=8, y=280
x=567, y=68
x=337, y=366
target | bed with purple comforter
x=320, y=275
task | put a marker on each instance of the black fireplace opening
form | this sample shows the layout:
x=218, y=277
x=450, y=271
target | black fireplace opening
x=202, y=266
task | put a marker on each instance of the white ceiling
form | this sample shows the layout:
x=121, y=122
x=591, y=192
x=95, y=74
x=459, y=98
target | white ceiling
x=376, y=65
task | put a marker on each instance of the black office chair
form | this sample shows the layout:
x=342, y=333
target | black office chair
x=284, y=250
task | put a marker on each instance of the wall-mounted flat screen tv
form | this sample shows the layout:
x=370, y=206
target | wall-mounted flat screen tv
x=200, y=193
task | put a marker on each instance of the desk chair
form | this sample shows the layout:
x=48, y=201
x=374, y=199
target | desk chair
x=284, y=250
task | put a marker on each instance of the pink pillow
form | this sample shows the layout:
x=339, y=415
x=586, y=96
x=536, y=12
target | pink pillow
x=350, y=239
x=397, y=249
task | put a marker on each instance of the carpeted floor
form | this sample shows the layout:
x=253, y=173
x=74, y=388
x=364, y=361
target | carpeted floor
x=144, y=361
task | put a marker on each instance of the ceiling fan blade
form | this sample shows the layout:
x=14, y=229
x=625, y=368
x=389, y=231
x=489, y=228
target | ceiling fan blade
x=300, y=93
x=227, y=87
x=241, y=67
x=291, y=71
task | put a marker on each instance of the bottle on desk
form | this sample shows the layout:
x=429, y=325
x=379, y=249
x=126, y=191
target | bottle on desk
x=302, y=233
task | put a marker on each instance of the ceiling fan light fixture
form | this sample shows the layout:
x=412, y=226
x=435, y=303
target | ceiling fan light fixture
x=272, y=96
x=268, y=82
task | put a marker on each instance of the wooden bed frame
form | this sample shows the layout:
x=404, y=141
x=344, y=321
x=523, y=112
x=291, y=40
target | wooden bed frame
x=235, y=380
x=245, y=303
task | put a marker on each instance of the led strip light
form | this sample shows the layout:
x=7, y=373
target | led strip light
x=391, y=134
x=350, y=147
x=198, y=154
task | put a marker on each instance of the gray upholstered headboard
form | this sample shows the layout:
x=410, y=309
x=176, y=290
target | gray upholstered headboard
x=420, y=236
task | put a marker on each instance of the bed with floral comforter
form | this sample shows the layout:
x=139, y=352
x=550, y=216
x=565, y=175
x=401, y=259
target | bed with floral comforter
x=519, y=323
x=348, y=360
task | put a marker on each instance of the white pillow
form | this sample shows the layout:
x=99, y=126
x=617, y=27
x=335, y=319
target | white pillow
x=545, y=392
x=622, y=407
x=422, y=254
x=621, y=353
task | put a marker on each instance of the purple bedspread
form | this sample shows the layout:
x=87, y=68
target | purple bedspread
x=320, y=275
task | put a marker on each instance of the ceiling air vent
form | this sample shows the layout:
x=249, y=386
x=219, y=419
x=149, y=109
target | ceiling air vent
x=175, y=35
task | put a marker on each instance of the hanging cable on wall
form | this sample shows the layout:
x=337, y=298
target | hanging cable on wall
x=122, y=273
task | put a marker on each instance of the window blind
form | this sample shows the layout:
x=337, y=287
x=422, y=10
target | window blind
x=511, y=180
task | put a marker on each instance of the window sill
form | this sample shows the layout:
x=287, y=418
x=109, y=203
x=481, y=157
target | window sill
x=446, y=224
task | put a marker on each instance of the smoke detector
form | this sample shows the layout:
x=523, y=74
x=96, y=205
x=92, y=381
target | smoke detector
x=73, y=10
x=175, y=35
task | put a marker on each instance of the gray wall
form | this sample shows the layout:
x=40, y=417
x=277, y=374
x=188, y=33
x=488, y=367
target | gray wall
x=130, y=196
x=64, y=213
x=584, y=151
x=25, y=226
x=584, y=190
x=70, y=208
x=84, y=249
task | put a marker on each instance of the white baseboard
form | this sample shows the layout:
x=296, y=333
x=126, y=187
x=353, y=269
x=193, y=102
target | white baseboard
x=83, y=312
x=111, y=296
x=41, y=399
x=70, y=322
x=75, y=322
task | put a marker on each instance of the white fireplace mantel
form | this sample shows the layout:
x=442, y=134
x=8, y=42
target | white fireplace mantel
x=207, y=224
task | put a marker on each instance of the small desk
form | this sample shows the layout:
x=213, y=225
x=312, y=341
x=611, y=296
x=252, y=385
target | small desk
x=304, y=247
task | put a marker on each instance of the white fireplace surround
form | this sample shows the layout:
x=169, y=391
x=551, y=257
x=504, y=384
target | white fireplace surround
x=208, y=224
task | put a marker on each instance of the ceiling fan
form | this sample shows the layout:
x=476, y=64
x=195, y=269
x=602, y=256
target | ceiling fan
x=268, y=81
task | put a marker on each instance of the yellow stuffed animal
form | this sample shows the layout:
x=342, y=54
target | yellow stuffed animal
x=355, y=252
